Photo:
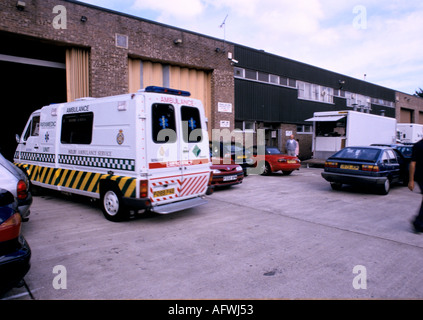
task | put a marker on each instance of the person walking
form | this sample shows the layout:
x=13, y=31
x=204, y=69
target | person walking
x=416, y=175
x=291, y=146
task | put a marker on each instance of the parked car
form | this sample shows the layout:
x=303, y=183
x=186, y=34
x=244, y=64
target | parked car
x=16, y=182
x=274, y=160
x=15, y=253
x=376, y=166
x=404, y=152
x=236, y=152
x=225, y=174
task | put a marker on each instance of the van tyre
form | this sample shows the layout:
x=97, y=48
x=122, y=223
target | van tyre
x=112, y=205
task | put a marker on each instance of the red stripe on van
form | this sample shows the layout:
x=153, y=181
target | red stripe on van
x=170, y=164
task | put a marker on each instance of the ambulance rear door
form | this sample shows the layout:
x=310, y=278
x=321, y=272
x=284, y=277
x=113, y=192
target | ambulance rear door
x=195, y=149
x=177, y=151
x=163, y=148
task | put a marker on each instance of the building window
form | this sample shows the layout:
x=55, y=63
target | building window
x=274, y=79
x=301, y=129
x=292, y=83
x=263, y=76
x=239, y=72
x=314, y=92
x=246, y=126
x=249, y=126
x=283, y=81
x=250, y=74
x=339, y=93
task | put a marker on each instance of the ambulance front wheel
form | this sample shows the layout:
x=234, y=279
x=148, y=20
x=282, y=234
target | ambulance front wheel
x=112, y=205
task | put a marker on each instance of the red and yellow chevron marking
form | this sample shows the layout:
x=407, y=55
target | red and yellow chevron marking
x=185, y=186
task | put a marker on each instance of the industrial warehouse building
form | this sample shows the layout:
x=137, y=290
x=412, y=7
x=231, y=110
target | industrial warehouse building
x=59, y=50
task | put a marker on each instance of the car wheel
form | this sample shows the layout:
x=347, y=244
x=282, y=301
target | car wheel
x=384, y=189
x=112, y=206
x=336, y=186
x=266, y=170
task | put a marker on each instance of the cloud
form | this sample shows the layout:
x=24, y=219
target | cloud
x=175, y=9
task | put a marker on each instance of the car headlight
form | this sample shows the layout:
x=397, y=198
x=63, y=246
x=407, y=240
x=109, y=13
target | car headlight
x=238, y=168
x=216, y=171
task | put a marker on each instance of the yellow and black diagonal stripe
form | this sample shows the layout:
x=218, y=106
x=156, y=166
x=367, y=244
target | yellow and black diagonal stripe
x=79, y=180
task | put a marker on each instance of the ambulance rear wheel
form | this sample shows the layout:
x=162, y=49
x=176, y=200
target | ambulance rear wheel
x=112, y=205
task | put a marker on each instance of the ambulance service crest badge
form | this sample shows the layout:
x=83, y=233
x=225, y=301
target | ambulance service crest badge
x=120, y=137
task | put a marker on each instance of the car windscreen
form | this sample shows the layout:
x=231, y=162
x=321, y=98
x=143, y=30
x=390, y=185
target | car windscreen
x=272, y=151
x=358, y=154
x=406, y=151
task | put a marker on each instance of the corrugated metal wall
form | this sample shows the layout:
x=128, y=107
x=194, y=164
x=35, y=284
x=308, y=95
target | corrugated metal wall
x=264, y=102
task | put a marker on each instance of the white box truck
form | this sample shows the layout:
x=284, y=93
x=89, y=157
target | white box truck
x=409, y=132
x=335, y=130
x=143, y=151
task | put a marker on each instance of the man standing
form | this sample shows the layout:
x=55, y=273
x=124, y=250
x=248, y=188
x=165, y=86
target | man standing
x=416, y=175
x=291, y=146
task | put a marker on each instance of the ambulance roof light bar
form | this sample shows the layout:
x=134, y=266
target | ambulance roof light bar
x=157, y=89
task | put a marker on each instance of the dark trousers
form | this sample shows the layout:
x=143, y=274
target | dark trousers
x=418, y=220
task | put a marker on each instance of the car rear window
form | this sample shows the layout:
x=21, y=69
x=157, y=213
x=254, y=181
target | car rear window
x=364, y=154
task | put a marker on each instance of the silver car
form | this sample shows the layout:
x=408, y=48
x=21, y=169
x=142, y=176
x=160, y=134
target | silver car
x=17, y=183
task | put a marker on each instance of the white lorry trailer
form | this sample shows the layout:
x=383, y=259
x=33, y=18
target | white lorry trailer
x=409, y=132
x=335, y=130
x=143, y=151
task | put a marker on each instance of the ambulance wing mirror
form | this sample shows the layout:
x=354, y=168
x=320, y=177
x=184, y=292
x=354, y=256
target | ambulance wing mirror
x=18, y=138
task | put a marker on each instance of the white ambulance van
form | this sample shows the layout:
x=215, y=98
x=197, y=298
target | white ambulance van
x=143, y=151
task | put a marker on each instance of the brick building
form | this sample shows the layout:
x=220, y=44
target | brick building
x=409, y=108
x=58, y=50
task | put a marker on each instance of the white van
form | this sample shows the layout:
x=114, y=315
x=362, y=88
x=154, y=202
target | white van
x=143, y=151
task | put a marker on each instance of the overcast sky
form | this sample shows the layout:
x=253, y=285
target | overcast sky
x=379, y=41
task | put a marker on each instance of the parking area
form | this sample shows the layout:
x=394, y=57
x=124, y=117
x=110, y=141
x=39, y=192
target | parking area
x=269, y=237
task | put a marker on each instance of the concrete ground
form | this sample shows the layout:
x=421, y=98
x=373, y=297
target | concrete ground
x=272, y=237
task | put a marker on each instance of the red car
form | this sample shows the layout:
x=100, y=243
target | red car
x=273, y=160
x=226, y=174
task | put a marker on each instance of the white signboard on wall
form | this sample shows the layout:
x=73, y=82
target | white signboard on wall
x=224, y=107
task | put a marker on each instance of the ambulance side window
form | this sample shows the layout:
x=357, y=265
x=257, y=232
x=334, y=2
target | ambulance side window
x=163, y=123
x=191, y=124
x=33, y=128
x=77, y=128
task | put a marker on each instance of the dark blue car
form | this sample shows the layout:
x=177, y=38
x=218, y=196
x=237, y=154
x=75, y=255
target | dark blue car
x=376, y=166
x=15, y=253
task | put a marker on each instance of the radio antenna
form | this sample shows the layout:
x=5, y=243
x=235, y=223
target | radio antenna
x=223, y=25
